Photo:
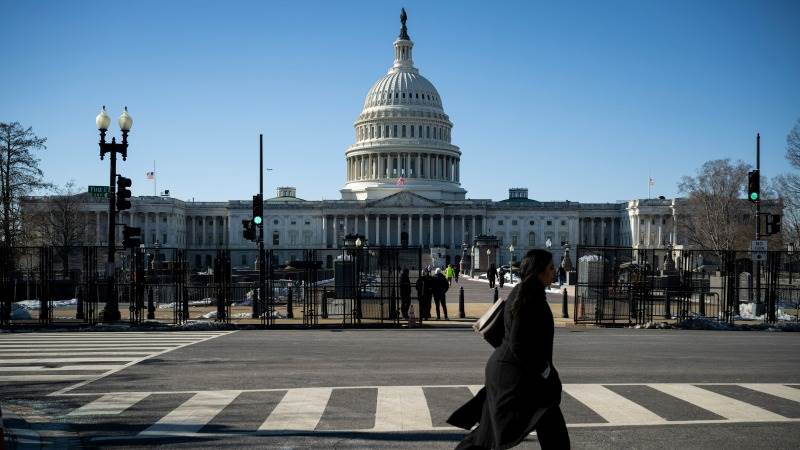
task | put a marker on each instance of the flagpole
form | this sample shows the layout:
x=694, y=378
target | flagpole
x=155, y=181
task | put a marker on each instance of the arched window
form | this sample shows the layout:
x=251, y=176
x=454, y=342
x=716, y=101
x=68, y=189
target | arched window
x=428, y=132
x=371, y=132
x=531, y=239
x=420, y=131
x=394, y=133
x=379, y=131
x=386, y=133
x=412, y=130
x=434, y=132
x=404, y=131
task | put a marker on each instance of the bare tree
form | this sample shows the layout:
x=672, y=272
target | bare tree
x=58, y=221
x=715, y=216
x=19, y=175
x=788, y=187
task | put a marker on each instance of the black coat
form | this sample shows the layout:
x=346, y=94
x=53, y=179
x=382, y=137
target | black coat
x=491, y=273
x=514, y=387
x=424, y=287
x=440, y=286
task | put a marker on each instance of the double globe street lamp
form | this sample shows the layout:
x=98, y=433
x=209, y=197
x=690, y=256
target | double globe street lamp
x=125, y=122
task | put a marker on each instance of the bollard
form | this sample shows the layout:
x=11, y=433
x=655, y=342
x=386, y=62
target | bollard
x=702, y=304
x=667, y=306
x=289, y=306
x=461, y=313
x=496, y=294
x=564, y=311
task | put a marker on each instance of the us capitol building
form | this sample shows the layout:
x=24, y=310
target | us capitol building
x=403, y=187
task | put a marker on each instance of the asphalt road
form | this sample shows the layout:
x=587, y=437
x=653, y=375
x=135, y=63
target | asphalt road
x=251, y=389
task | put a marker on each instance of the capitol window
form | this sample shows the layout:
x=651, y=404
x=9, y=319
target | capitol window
x=412, y=130
x=394, y=133
x=404, y=131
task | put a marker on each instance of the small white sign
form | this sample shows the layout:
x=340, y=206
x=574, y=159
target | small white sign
x=758, y=250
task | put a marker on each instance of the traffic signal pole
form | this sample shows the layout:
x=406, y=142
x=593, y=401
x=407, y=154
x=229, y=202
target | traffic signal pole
x=759, y=304
x=261, y=285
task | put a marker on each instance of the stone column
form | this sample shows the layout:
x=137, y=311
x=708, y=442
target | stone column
x=603, y=231
x=430, y=237
x=453, y=230
x=660, y=219
x=462, y=230
x=421, y=240
x=346, y=232
x=366, y=226
x=410, y=231
x=399, y=228
x=388, y=229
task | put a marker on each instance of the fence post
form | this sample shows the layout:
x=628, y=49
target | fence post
x=564, y=310
x=461, y=313
x=79, y=313
x=151, y=307
x=702, y=310
x=289, y=305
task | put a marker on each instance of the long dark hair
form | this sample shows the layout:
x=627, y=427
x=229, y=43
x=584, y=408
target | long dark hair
x=533, y=264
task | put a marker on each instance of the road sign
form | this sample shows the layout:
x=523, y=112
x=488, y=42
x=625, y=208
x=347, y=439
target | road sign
x=758, y=250
x=99, y=191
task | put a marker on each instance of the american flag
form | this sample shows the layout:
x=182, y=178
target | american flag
x=150, y=175
x=652, y=181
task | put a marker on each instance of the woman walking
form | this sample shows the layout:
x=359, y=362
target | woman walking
x=522, y=390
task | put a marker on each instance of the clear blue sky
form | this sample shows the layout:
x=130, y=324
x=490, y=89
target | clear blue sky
x=574, y=100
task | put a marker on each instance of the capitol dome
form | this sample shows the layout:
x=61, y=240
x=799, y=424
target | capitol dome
x=402, y=137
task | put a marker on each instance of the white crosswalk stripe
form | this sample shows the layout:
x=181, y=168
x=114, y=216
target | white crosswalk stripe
x=193, y=414
x=300, y=409
x=406, y=408
x=86, y=356
x=401, y=408
x=612, y=407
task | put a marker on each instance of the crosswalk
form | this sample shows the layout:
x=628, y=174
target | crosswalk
x=83, y=357
x=422, y=408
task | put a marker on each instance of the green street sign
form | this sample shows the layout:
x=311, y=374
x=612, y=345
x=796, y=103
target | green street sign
x=99, y=191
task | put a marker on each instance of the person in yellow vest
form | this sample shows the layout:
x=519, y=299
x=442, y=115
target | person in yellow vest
x=449, y=273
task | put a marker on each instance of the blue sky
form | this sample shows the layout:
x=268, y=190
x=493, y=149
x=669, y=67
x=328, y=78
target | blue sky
x=574, y=100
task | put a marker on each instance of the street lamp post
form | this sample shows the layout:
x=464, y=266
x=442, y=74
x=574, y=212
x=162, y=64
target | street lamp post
x=111, y=309
x=790, y=251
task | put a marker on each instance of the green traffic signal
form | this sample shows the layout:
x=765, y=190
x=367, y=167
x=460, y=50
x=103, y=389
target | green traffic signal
x=257, y=220
x=753, y=196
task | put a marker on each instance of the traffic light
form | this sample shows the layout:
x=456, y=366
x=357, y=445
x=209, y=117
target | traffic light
x=249, y=230
x=131, y=237
x=754, y=186
x=258, y=209
x=773, y=224
x=123, y=193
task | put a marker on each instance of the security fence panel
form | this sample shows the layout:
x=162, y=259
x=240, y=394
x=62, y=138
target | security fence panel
x=620, y=286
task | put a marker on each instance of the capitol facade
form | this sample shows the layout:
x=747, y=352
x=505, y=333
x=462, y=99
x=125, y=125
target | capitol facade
x=403, y=187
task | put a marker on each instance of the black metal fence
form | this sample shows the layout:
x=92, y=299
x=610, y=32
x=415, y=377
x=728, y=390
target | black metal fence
x=310, y=287
x=619, y=286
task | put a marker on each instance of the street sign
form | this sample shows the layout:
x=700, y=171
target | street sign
x=758, y=250
x=99, y=191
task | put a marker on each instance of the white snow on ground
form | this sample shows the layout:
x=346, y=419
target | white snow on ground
x=748, y=311
x=35, y=304
x=203, y=302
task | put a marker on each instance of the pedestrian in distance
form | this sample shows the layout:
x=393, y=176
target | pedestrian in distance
x=449, y=273
x=440, y=286
x=491, y=275
x=501, y=277
x=562, y=276
x=522, y=389
x=457, y=270
x=405, y=293
x=424, y=291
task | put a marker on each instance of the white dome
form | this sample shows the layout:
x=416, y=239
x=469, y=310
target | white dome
x=403, y=137
x=403, y=87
